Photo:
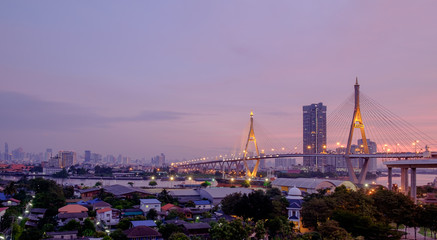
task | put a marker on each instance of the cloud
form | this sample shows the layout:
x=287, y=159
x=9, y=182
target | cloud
x=24, y=112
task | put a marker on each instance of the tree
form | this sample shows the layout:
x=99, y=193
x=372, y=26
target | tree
x=256, y=205
x=279, y=227
x=152, y=214
x=236, y=229
x=178, y=236
x=118, y=235
x=71, y=226
x=394, y=206
x=62, y=174
x=165, y=198
x=88, y=228
x=190, y=204
x=48, y=195
x=245, y=184
x=175, y=213
x=331, y=230
x=68, y=191
x=10, y=189
x=153, y=183
x=228, y=203
x=167, y=230
x=260, y=230
x=205, y=184
x=124, y=223
x=273, y=193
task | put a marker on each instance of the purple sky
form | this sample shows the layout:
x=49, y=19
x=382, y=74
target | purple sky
x=180, y=77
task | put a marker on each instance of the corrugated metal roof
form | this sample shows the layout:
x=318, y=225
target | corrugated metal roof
x=309, y=183
x=150, y=201
x=223, y=192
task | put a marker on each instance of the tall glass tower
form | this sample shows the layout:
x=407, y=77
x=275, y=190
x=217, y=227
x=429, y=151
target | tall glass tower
x=314, y=133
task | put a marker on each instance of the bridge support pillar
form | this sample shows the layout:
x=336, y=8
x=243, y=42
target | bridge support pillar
x=390, y=179
x=413, y=185
x=404, y=180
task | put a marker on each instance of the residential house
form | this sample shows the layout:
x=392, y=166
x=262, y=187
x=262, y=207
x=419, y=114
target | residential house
x=170, y=207
x=89, y=193
x=121, y=191
x=142, y=232
x=72, y=212
x=132, y=212
x=148, y=223
x=203, y=204
x=62, y=235
x=185, y=195
x=11, y=202
x=147, y=204
x=167, y=207
x=35, y=215
x=73, y=208
x=100, y=205
x=64, y=218
x=196, y=229
x=109, y=216
x=216, y=195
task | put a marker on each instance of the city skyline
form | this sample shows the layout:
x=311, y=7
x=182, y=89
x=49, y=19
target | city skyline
x=181, y=78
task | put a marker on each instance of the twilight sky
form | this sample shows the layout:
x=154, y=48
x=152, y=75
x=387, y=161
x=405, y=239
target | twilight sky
x=180, y=77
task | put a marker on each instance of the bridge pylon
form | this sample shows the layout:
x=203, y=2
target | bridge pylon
x=357, y=122
x=251, y=138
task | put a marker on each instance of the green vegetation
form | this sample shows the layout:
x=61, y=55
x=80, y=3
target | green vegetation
x=103, y=171
x=62, y=174
x=153, y=183
x=165, y=198
x=359, y=214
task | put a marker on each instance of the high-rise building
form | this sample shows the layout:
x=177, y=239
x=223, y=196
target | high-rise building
x=48, y=154
x=67, y=158
x=284, y=163
x=54, y=162
x=314, y=133
x=18, y=154
x=158, y=160
x=87, y=156
x=6, y=157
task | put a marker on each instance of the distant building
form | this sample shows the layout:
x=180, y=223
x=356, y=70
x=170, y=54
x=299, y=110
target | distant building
x=87, y=156
x=18, y=154
x=6, y=154
x=284, y=163
x=314, y=133
x=158, y=161
x=67, y=158
x=54, y=162
x=48, y=154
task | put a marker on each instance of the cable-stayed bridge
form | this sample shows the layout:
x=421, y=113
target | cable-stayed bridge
x=378, y=132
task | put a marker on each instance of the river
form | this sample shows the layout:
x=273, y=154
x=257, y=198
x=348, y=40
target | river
x=422, y=179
